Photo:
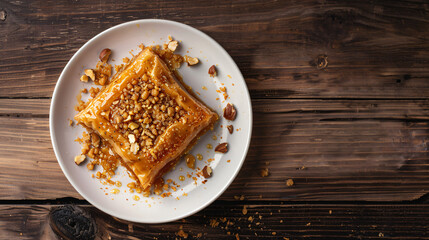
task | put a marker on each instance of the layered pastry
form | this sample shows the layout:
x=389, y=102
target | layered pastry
x=147, y=117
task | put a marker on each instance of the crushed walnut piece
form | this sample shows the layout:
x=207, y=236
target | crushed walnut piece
x=289, y=182
x=142, y=113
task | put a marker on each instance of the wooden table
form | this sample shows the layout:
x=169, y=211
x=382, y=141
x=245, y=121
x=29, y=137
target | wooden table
x=340, y=99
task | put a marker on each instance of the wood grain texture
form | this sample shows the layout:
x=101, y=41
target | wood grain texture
x=284, y=220
x=373, y=49
x=351, y=150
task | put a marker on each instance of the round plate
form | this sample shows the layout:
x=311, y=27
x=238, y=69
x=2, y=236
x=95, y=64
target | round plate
x=192, y=195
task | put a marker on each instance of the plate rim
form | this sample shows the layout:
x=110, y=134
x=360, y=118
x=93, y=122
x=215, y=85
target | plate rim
x=55, y=96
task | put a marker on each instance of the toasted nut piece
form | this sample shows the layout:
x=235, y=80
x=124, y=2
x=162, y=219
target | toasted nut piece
x=222, y=148
x=191, y=61
x=229, y=112
x=90, y=73
x=95, y=140
x=135, y=148
x=132, y=138
x=79, y=159
x=102, y=81
x=90, y=166
x=207, y=171
x=230, y=129
x=84, y=78
x=173, y=45
x=265, y=172
x=212, y=71
x=133, y=125
x=289, y=182
x=105, y=55
x=128, y=119
x=170, y=111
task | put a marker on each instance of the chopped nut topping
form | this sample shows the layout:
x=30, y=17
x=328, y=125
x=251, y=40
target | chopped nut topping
x=173, y=45
x=95, y=140
x=212, y=71
x=84, y=78
x=229, y=112
x=90, y=73
x=135, y=148
x=132, y=138
x=191, y=61
x=79, y=159
x=230, y=129
x=222, y=148
x=133, y=125
x=105, y=55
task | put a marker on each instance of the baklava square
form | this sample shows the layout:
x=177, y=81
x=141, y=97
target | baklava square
x=148, y=117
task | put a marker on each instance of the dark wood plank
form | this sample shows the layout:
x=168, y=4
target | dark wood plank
x=374, y=49
x=351, y=150
x=278, y=221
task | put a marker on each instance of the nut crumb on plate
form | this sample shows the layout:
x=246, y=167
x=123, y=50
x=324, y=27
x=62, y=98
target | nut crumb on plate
x=229, y=112
x=105, y=55
x=191, y=60
x=230, y=129
x=84, y=78
x=90, y=73
x=212, y=71
x=79, y=159
x=222, y=148
x=172, y=46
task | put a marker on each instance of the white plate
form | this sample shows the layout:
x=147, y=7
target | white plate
x=122, y=39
